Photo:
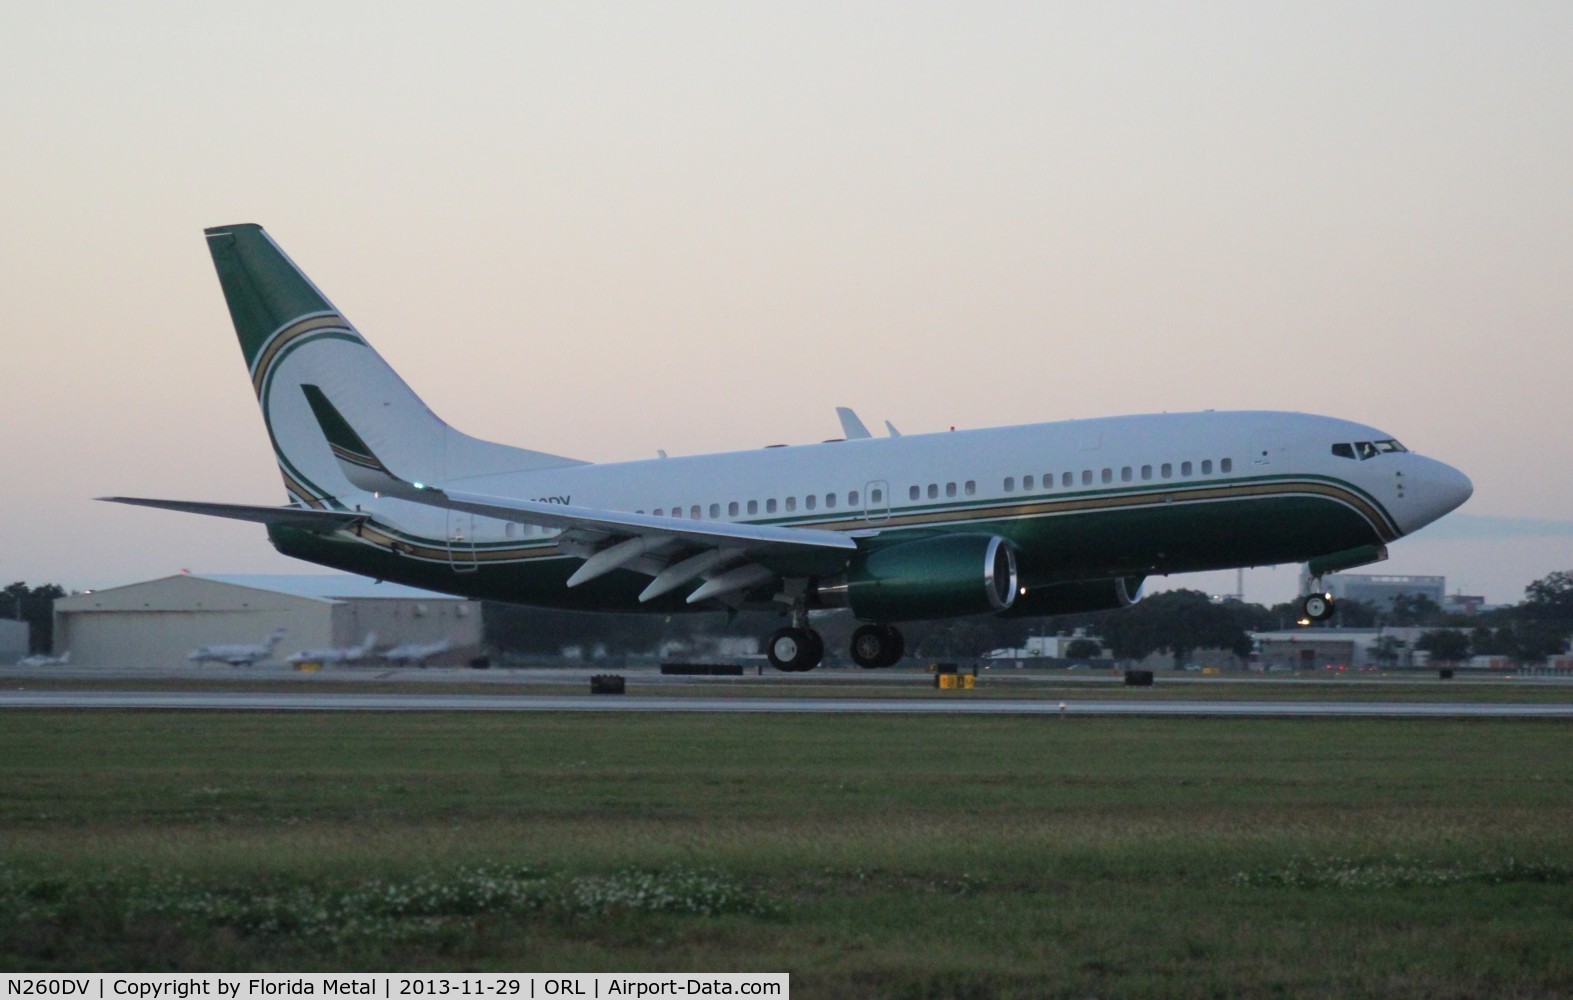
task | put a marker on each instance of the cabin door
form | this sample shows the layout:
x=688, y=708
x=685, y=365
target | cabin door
x=876, y=500
x=461, y=541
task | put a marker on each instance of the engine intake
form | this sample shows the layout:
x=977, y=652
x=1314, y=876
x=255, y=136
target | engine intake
x=943, y=577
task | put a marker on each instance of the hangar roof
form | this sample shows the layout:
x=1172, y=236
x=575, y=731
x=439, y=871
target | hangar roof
x=178, y=591
x=325, y=586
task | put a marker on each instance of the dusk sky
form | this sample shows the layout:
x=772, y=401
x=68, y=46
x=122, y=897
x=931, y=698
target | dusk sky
x=605, y=229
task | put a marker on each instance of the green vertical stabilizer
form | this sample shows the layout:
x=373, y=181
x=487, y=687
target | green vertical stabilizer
x=262, y=286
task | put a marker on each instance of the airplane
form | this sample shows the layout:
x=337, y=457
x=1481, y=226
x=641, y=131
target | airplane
x=335, y=655
x=1031, y=520
x=238, y=654
x=417, y=653
x=42, y=660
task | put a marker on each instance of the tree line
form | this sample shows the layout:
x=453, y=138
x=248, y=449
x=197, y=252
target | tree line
x=1175, y=622
x=36, y=606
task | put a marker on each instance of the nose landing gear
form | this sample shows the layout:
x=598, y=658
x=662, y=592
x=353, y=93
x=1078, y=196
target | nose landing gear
x=1318, y=606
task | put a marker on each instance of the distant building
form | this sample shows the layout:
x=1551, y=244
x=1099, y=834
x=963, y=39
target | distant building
x=14, y=636
x=1464, y=604
x=1381, y=590
x=157, y=622
x=1046, y=647
x=1335, y=648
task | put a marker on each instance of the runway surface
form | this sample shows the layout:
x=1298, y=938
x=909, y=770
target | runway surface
x=326, y=701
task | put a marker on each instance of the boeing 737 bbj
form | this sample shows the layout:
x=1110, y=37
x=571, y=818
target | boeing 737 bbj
x=1040, y=519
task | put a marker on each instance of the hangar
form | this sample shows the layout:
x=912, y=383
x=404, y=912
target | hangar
x=157, y=622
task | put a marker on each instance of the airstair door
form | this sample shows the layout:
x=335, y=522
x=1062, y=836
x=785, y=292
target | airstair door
x=461, y=541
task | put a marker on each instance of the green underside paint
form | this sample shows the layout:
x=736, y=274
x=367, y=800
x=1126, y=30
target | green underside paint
x=1173, y=538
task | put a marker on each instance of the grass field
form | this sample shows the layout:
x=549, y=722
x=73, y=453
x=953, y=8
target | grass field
x=868, y=856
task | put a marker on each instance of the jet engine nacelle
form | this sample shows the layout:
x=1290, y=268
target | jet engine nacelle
x=941, y=577
x=1078, y=598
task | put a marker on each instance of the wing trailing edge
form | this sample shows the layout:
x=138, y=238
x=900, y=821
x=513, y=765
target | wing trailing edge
x=304, y=518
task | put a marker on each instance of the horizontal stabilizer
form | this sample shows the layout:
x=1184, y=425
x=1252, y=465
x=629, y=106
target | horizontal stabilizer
x=362, y=468
x=305, y=518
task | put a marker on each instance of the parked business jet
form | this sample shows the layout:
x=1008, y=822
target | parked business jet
x=238, y=654
x=1041, y=519
x=335, y=655
x=44, y=660
x=415, y=654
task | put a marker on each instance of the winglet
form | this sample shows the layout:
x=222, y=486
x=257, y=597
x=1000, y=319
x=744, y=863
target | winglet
x=361, y=466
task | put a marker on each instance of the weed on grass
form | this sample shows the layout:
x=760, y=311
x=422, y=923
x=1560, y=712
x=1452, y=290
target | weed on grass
x=1401, y=872
x=328, y=918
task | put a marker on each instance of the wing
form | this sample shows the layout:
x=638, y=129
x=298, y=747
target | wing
x=726, y=559
x=305, y=518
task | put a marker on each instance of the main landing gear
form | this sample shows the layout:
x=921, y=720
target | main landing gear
x=877, y=646
x=797, y=647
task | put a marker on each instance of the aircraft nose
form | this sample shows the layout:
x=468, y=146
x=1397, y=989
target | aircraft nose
x=1434, y=489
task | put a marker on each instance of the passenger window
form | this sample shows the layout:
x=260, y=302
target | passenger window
x=1026, y=483
x=677, y=512
x=933, y=491
x=1010, y=484
x=715, y=511
x=810, y=501
x=1146, y=473
x=877, y=496
x=791, y=504
x=770, y=506
x=913, y=493
x=1185, y=468
x=852, y=497
x=731, y=509
x=1108, y=475
x=1125, y=474
x=1207, y=466
x=1086, y=477
x=830, y=501
x=1069, y=479
x=950, y=489
x=659, y=512
x=1226, y=465
x=694, y=513
x=1048, y=480
x=753, y=506
x=971, y=487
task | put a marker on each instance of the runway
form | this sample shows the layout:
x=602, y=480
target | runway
x=325, y=701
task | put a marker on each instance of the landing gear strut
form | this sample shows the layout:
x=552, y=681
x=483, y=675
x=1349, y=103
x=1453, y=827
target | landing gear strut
x=877, y=646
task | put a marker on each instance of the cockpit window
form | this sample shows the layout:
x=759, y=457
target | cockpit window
x=1367, y=449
